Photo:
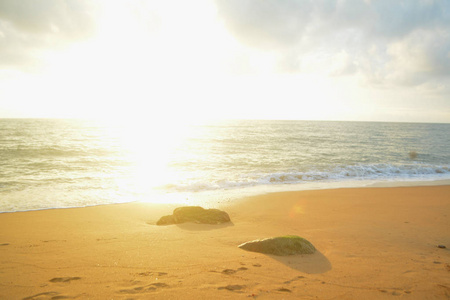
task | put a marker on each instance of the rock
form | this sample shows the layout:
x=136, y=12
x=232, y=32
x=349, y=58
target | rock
x=284, y=245
x=195, y=214
x=441, y=246
x=166, y=220
x=412, y=155
x=198, y=214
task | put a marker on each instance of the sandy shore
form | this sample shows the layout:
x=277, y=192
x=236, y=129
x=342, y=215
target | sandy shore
x=373, y=243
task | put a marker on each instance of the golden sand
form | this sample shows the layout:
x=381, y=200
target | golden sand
x=373, y=243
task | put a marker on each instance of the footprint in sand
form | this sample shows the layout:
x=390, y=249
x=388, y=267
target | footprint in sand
x=51, y=296
x=46, y=295
x=144, y=289
x=152, y=274
x=54, y=241
x=233, y=287
x=396, y=292
x=231, y=271
x=64, y=279
x=446, y=288
x=62, y=297
x=294, y=279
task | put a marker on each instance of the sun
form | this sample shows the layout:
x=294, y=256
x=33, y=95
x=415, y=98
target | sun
x=147, y=60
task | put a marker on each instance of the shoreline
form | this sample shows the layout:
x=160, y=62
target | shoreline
x=372, y=242
x=203, y=198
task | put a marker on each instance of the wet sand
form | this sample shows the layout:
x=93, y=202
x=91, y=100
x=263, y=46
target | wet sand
x=373, y=243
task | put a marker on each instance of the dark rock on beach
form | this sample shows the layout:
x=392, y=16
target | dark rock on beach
x=283, y=245
x=166, y=220
x=195, y=214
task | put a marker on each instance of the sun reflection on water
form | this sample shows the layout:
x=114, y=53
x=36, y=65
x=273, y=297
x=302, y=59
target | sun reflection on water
x=150, y=147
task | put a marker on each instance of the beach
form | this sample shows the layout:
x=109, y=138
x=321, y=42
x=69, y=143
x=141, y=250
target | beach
x=323, y=126
x=372, y=243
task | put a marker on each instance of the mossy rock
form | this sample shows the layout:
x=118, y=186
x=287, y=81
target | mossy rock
x=166, y=220
x=195, y=214
x=283, y=245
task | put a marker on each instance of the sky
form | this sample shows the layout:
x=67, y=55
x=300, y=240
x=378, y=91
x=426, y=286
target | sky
x=358, y=60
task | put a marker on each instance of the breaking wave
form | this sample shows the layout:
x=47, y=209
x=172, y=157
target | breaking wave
x=339, y=173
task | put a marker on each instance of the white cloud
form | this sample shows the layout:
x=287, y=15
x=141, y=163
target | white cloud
x=387, y=43
x=30, y=27
x=224, y=58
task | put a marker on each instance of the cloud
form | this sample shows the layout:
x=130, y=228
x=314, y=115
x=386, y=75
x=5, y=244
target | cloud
x=28, y=27
x=385, y=42
x=266, y=24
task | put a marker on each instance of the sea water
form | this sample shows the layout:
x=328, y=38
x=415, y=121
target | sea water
x=56, y=163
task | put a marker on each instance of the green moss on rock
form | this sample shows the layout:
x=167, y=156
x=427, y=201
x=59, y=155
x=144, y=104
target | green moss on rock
x=195, y=214
x=283, y=245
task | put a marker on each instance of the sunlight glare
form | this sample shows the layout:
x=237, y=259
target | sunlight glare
x=150, y=146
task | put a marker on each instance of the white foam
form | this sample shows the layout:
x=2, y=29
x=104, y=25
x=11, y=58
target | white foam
x=357, y=173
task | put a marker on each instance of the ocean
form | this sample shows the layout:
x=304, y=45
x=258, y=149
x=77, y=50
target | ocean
x=61, y=163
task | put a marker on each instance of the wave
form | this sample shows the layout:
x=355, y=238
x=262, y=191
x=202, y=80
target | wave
x=338, y=173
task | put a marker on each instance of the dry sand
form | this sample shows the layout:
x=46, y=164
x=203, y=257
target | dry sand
x=373, y=243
